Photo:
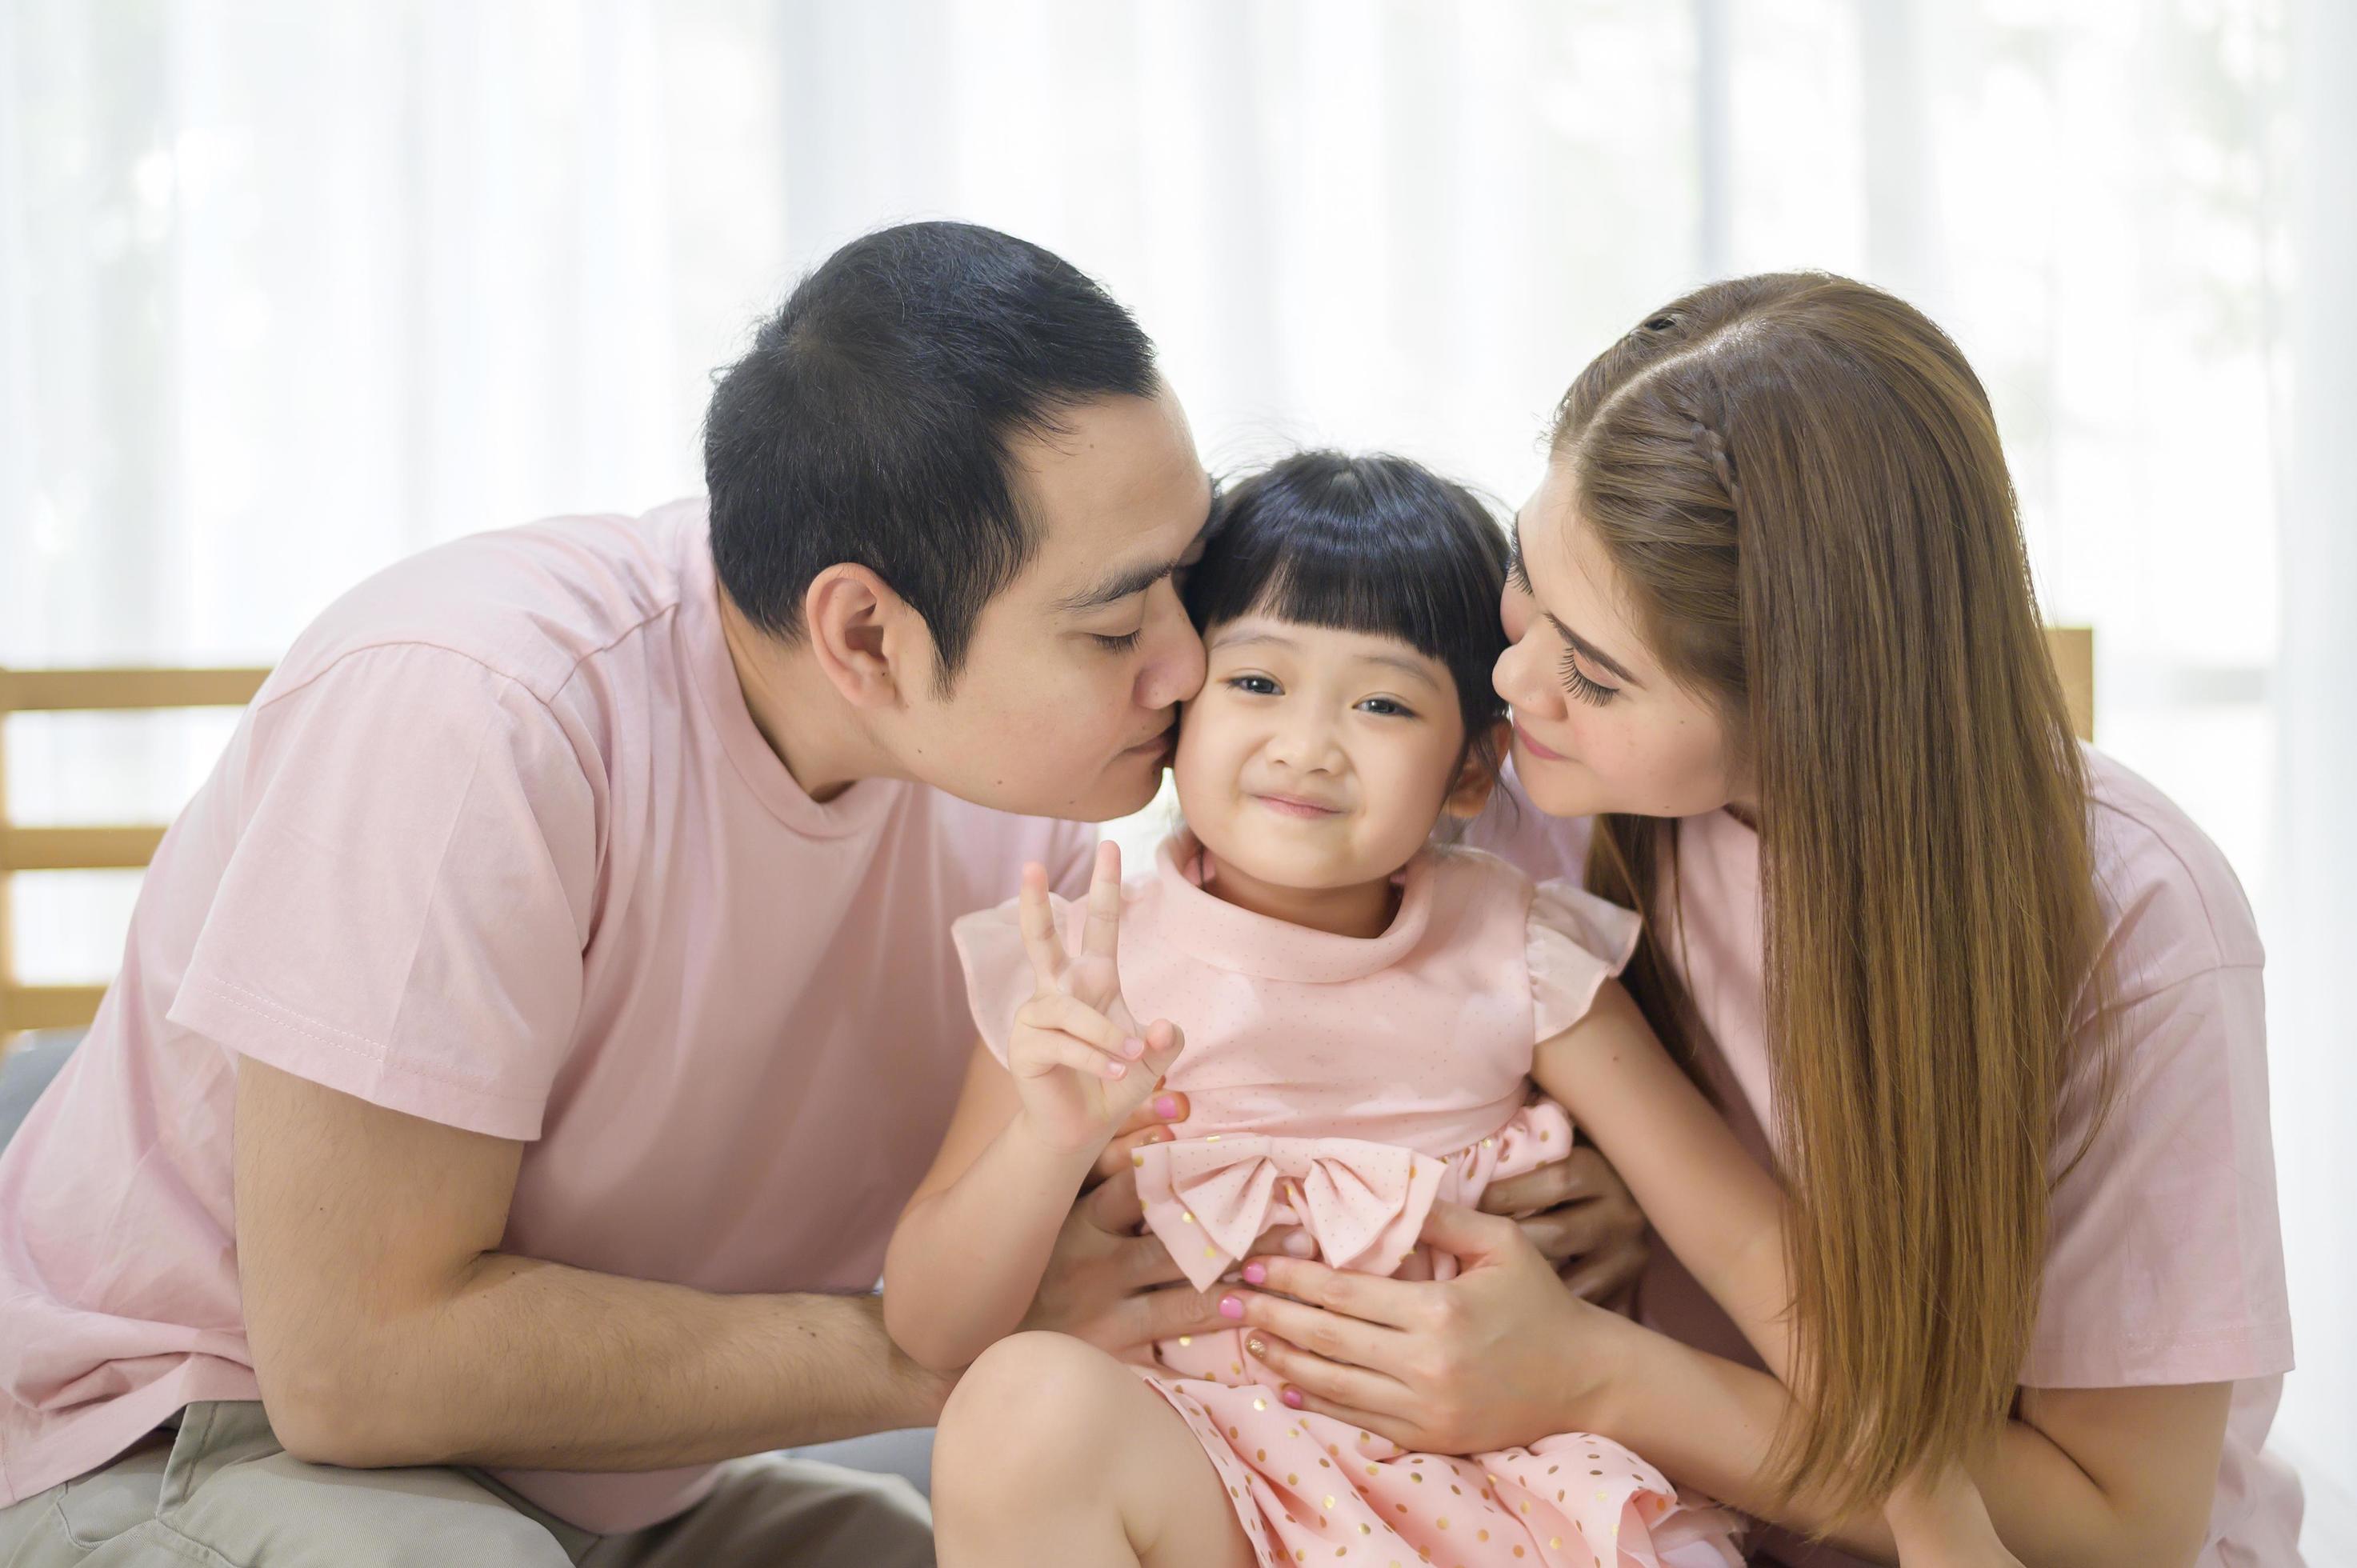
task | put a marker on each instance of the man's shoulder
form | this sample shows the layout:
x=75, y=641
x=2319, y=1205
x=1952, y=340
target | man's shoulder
x=531, y=604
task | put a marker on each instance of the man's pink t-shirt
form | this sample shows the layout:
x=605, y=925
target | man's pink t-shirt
x=498, y=845
x=2166, y=1260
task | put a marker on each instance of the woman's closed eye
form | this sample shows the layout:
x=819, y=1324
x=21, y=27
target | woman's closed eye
x=1578, y=682
x=1121, y=643
x=1519, y=579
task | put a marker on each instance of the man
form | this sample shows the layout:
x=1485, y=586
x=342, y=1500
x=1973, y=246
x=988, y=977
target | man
x=527, y=1038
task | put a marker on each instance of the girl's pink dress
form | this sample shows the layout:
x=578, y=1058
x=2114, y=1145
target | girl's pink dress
x=1344, y=1084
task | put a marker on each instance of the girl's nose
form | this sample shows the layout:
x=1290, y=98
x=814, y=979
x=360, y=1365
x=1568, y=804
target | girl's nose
x=1307, y=741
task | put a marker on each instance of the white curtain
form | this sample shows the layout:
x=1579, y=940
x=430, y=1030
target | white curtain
x=287, y=290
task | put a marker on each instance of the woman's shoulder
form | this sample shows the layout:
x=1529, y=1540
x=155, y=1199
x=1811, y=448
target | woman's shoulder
x=2171, y=901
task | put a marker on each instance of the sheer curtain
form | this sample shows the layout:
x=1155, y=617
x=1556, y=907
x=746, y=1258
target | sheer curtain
x=289, y=290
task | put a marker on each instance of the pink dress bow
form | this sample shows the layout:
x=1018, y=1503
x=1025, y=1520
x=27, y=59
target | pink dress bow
x=1210, y=1198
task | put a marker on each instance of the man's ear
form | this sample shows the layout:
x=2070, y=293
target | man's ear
x=1479, y=777
x=866, y=638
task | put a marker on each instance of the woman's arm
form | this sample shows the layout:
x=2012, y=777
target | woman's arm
x=1502, y=1355
x=1723, y=1215
x=2084, y=1478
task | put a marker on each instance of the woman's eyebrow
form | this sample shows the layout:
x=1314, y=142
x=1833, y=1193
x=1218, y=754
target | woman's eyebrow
x=1580, y=644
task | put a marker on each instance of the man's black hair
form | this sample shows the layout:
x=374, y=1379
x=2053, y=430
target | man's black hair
x=870, y=422
x=1373, y=545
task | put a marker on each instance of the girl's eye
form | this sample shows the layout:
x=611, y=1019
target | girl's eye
x=1255, y=685
x=1580, y=686
x=1122, y=644
x=1388, y=706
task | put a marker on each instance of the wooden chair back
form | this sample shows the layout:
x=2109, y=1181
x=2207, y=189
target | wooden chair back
x=25, y=1007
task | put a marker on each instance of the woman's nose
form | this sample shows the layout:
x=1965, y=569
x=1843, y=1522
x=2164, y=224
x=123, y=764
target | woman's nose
x=1513, y=675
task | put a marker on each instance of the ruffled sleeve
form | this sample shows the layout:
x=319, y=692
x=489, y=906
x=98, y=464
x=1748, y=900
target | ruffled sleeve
x=997, y=971
x=1576, y=943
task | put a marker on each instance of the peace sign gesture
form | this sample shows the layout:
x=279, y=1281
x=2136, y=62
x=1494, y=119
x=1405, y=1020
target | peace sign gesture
x=1080, y=1060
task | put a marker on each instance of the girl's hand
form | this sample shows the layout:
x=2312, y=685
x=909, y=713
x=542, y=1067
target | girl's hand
x=1079, y=1061
x=1500, y=1355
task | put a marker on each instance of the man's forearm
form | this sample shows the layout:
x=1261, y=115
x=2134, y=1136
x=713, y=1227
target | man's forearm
x=537, y=1366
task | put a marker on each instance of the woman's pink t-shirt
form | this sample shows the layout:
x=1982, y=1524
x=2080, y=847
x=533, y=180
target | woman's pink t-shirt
x=2165, y=1263
x=498, y=845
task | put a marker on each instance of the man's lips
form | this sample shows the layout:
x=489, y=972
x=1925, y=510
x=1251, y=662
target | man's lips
x=1155, y=742
x=1531, y=744
x=1297, y=806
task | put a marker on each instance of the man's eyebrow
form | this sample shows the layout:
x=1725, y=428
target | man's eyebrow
x=1135, y=580
x=1580, y=644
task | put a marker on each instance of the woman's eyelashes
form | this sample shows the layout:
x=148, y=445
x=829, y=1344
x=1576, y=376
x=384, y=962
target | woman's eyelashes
x=1515, y=575
x=1121, y=643
x=1576, y=682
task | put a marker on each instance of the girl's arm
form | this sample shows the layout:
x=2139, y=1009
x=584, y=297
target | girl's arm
x=974, y=1241
x=966, y=1258
x=1720, y=1211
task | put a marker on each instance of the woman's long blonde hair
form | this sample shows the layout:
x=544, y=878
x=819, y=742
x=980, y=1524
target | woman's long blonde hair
x=1798, y=477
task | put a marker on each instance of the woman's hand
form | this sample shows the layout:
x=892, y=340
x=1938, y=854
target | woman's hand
x=1500, y=1355
x=1079, y=1061
x=1582, y=1220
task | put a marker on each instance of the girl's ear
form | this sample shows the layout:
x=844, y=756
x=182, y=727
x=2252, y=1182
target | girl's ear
x=1479, y=777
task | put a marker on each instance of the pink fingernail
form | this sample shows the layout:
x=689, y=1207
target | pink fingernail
x=1231, y=1308
x=1132, y=1048
x=1115, y=1070
x=1290, y=1395
x=1256, y=1273
x=1166, y=1106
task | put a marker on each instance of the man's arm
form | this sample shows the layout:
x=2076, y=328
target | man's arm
x=388, y=1329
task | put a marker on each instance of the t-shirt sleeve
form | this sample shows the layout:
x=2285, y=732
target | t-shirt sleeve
x=402, y=913
x=1577, y=942
x=2165, y=1264
x=998, y=978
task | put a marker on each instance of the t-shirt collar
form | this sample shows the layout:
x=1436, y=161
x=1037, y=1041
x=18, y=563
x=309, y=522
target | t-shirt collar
x=1232, y=938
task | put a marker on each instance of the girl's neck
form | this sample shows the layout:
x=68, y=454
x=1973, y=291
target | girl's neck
x=1362, y=909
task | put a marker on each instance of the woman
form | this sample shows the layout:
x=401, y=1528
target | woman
x=1773, y=634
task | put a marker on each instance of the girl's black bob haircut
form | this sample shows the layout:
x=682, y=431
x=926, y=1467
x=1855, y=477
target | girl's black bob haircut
x=1374, y=544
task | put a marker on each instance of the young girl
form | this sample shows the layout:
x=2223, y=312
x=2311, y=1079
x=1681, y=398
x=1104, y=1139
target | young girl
x=1365, y=1013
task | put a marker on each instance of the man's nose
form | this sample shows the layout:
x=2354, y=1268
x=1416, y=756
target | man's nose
x=1173, y=671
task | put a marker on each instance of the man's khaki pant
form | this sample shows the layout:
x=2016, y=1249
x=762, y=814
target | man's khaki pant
x=220, y=1492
